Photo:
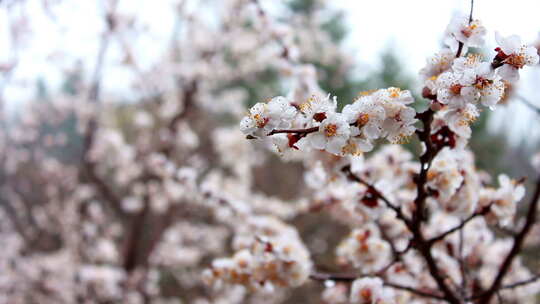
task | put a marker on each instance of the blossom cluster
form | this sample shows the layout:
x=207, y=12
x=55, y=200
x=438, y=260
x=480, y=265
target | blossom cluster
x=271, y=255
x=383, y=113
x=458, y=82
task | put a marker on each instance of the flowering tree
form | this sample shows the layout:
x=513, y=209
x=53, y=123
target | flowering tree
x=156, y=195
x=421, y=229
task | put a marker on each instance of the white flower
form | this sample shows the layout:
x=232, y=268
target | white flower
x=332, y=135
x=317, y=108
x=370, y=290
x=444, y=176
x=393, y=94
x=336, y=294
x=514, y=56
x=455, y=89
x=470, y=34
x=365, y=118
x=269, y=255
x=504, y=200
x=398, y=125
x=490, y=88
x=437, y=64
x=459, y=119
x=364, y=249
x=265, y=117
x=485, y=86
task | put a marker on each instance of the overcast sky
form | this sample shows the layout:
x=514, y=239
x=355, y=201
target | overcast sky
x=415, y=27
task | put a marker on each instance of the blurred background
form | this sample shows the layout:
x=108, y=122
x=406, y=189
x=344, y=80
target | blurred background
x=96, y=94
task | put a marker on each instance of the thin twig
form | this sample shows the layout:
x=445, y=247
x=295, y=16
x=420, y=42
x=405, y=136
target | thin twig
x=443, y=235
x=349, y=278
x=471, y=12
x=296, y=131
x=522, y=283
x=350, y=175
x=530, y=280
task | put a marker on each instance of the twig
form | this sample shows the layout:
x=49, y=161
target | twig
x=471, y=12
x=521, y=283
x=420, y=180
x=350, y=278
x=460, y=44
x=297, y=131
x=419, y=215
x=440, y=237
x=356, y=178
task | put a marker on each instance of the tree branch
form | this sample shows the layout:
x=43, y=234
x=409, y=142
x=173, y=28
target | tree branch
x=351, y=176
x=420, y=214
x=89, y=166
x=443, y=235
x=297, y=131
x=349, y=278
x=516, y=248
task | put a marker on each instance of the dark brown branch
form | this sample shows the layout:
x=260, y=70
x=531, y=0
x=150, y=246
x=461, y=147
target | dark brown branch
x=420, y=180
x=349, y=278
x=471, y=12
x=89, y=166
x=134, y=239
x=460, y=44
x=516, y=248
x=296, y=131
x=356, y=178
x=460, y=49
x=425, y=251
x=521, y=283
x=103, y=188
x=188, y=97
x=420, y=212
x=509, y=286
x=443, y=235
x=162, y=226
x=396, y=256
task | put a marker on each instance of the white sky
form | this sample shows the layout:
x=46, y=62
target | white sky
x=415, y=27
